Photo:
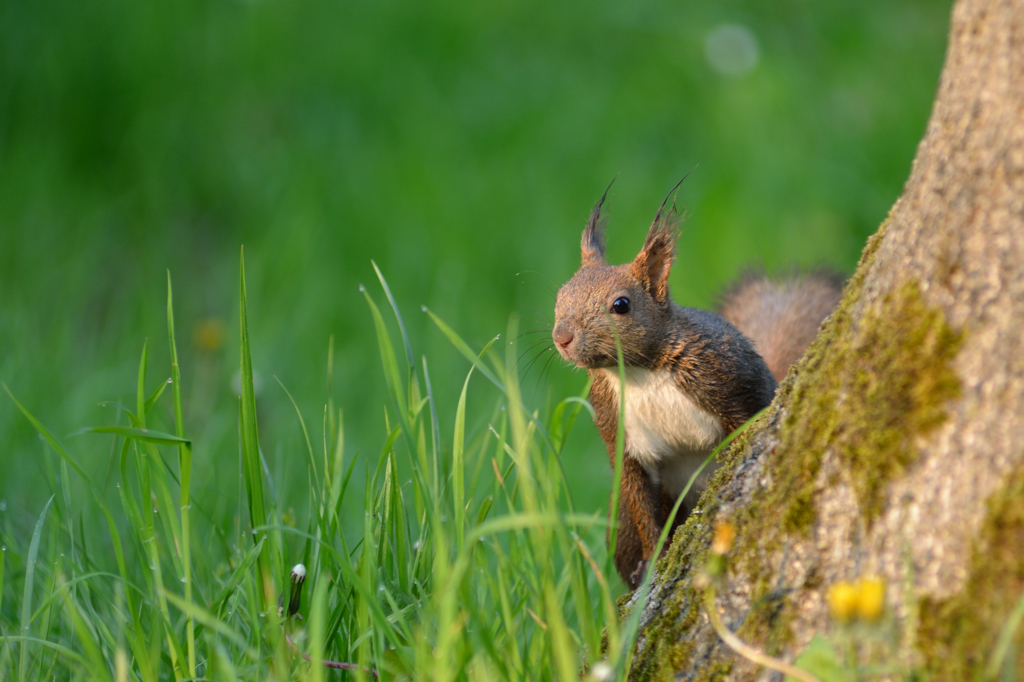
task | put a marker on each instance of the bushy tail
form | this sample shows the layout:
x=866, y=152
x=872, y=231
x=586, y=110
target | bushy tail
x=781, y=315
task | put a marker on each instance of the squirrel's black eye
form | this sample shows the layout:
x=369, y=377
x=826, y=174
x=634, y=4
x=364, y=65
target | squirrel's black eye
x=620, y=306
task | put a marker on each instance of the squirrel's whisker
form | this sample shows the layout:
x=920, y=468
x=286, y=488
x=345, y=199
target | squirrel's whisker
x=531, y=332
x=542, y=315
x=532, y=346
x=533, y=361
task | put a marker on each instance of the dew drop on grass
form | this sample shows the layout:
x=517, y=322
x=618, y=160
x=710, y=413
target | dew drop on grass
x=423, y=308
x=361, y=288
x=3, y=505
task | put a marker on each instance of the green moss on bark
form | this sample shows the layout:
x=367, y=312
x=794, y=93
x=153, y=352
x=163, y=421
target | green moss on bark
x=958, y=635
x=866, y=394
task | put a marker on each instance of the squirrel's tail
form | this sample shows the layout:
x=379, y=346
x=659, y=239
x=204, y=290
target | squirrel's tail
x=781, y=315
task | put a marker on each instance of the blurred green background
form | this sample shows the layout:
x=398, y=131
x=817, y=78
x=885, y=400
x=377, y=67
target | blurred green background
x=460, y=145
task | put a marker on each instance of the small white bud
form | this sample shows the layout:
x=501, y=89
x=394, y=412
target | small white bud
x=601, y=672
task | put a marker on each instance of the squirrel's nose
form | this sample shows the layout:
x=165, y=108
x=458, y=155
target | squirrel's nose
x=563, y=337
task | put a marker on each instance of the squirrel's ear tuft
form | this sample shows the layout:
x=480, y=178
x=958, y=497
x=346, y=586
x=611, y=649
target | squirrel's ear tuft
x=593, y=236
x=653, y=263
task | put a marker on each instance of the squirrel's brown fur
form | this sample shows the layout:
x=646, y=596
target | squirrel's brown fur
x=691, y=376
x=781, y=315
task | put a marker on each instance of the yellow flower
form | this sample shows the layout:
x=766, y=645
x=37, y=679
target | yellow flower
x=725, y=533
x=870, y=598
x=842, y=601
x=863, y=600
x=208, y=334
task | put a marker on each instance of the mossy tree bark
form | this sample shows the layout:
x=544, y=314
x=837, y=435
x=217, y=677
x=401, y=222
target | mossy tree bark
x=895, y=447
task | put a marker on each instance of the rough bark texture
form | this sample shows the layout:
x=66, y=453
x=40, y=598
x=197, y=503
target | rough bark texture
x=895, y=447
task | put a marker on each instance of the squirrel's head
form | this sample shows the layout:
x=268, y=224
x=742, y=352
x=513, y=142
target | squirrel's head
x=630, y=299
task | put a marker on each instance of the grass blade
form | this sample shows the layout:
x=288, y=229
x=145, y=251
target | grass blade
x=317, y=640
x=155, y=395
x=250, y=434
x=26, y=599
x=48, y=437
x=464, y=348
x=143, y=435
x=1005, y=640
x=184, y=473
x=435, y=429
x=97, y=668
x=237, y=576
x=210, y=621
x=252, y=465
x=398, y=315
x=305, y=433
x=387, y=356
x=59, y=648
x=458, y=465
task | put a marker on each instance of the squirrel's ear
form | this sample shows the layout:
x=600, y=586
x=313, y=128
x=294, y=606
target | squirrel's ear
x=653, y=263
x=593, y=236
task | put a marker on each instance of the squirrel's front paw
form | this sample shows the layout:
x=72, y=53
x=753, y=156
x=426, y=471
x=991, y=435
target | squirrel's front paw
x=637, y=576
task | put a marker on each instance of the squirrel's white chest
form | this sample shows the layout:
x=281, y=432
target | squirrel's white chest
x=667, y=432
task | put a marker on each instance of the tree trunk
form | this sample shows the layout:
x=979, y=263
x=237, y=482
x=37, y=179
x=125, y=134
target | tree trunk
x=895, y=447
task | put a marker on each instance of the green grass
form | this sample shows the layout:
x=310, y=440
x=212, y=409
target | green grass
x=473, y=567
x=459, y=145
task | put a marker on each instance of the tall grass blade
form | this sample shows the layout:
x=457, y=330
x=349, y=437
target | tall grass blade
x=464, y=348
x=221, y=667
x=49, y=437
x=237, y=576
x=1005, y=640
x=140, y=393
x=252, y=464
x=141, y=435
x=253, y=471
x=97, y=665
x=561, y=641
x=26, y=598
x=131, y=510
x=184, y=474
x=398, y=315
x=211, y=622
x=305, y=432
x=155, y=395
x=458, y=466
x=387, y=356
x=59, y=648
x=317, y=641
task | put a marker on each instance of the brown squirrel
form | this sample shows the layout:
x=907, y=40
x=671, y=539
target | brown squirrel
x=692, y=376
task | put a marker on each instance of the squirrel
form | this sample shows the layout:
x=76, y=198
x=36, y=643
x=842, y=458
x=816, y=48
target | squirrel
x=692, y=376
